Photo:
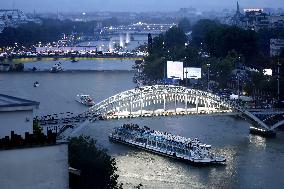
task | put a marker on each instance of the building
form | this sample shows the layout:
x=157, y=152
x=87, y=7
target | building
x=16, y=115
x=237, y=18
x=138, y=28
x=44, y=167
x=12, y=17
x=29, y=160
x=65, y=49
x=276, y=46
x=2, y=26
x=255, y=19
x=276, y=21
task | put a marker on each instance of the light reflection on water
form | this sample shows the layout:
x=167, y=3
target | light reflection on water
x=258, y=141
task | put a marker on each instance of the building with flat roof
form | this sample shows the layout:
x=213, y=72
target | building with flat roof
x=44, y=167
x=16, y=114
x=276, y=46
x=36, y=161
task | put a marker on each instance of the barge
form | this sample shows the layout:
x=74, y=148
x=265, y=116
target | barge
x=262, y=132
x=165, y=144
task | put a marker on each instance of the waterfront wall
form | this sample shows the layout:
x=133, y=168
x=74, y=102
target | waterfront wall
x=33, y=168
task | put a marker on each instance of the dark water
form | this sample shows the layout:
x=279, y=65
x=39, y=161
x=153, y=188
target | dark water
x=252, y=161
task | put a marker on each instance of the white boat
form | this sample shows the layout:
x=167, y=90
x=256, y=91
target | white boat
x=166, y=144
x=36, y=84
x=85, y=99
x=56, y=68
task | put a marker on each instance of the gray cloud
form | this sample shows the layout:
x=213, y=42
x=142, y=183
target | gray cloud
x=132, y=5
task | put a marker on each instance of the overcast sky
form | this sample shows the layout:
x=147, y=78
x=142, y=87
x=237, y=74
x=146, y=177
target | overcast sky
x=133, y=5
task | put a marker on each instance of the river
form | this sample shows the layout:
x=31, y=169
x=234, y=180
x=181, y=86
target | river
x=252, y=161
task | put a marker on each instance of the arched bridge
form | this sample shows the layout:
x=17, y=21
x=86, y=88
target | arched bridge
x=159, y=100
x=164, y=100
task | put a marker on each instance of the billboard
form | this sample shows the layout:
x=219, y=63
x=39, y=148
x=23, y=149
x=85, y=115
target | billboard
x=267, y=72
x=192, y=73
x=175, y=70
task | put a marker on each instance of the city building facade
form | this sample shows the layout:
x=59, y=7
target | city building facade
x=276, y=47
x=256, y=19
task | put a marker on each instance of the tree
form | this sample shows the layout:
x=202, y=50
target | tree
x=218, y=39
x=184, y=24
x=175, y=38
x=201, y=29
x=96, y=166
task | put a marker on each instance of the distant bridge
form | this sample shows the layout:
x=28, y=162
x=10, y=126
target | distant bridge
x=167, y=100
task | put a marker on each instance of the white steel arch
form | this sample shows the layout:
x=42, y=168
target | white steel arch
x=142, y=97
x=158, y=94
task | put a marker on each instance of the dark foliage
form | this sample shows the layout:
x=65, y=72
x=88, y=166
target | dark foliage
x=184, y=24
x=48, y=31
x=96, y=166
x=219, y=40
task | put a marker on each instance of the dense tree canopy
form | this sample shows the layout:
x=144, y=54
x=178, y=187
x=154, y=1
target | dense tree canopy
x=167, y=46
x=184, y=24
x=96, y=166
x=218, y=39
x=221, y=47
x=48, y=31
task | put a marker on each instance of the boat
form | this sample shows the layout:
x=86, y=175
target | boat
x=36, y=84
x=165, y=144
x=85, y=99
x=262, y=132
x=56, y=68
x=73, y=60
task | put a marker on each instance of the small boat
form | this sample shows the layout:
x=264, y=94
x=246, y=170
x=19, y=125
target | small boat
x=73, y=60
x=165, y=144
x=56, y=68
x=36, y=84
x=85, y=99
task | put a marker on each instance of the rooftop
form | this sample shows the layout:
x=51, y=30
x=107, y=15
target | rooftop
x=10, y=101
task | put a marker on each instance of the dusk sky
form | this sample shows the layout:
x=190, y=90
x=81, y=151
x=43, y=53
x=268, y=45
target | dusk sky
x=133, y=5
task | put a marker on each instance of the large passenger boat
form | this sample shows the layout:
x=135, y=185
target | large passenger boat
x=166, y=144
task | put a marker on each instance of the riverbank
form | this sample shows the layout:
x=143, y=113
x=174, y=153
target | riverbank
x=70, y=71
x=45, y=59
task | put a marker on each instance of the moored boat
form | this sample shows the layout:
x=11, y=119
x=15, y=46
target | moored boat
x=166, y=144
x=36, y=84
x=56, y=68
x=262, y=132
x=85, y=99
x=74, y=60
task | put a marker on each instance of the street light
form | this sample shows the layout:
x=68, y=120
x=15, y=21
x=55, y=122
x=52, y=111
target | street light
x=208, y=75
x=278, y=78
x=186, y=72
x=238, y=76
x=163, y=60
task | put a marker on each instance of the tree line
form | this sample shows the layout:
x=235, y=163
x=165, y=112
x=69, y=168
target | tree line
x=49, y=30
x=223, y=47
